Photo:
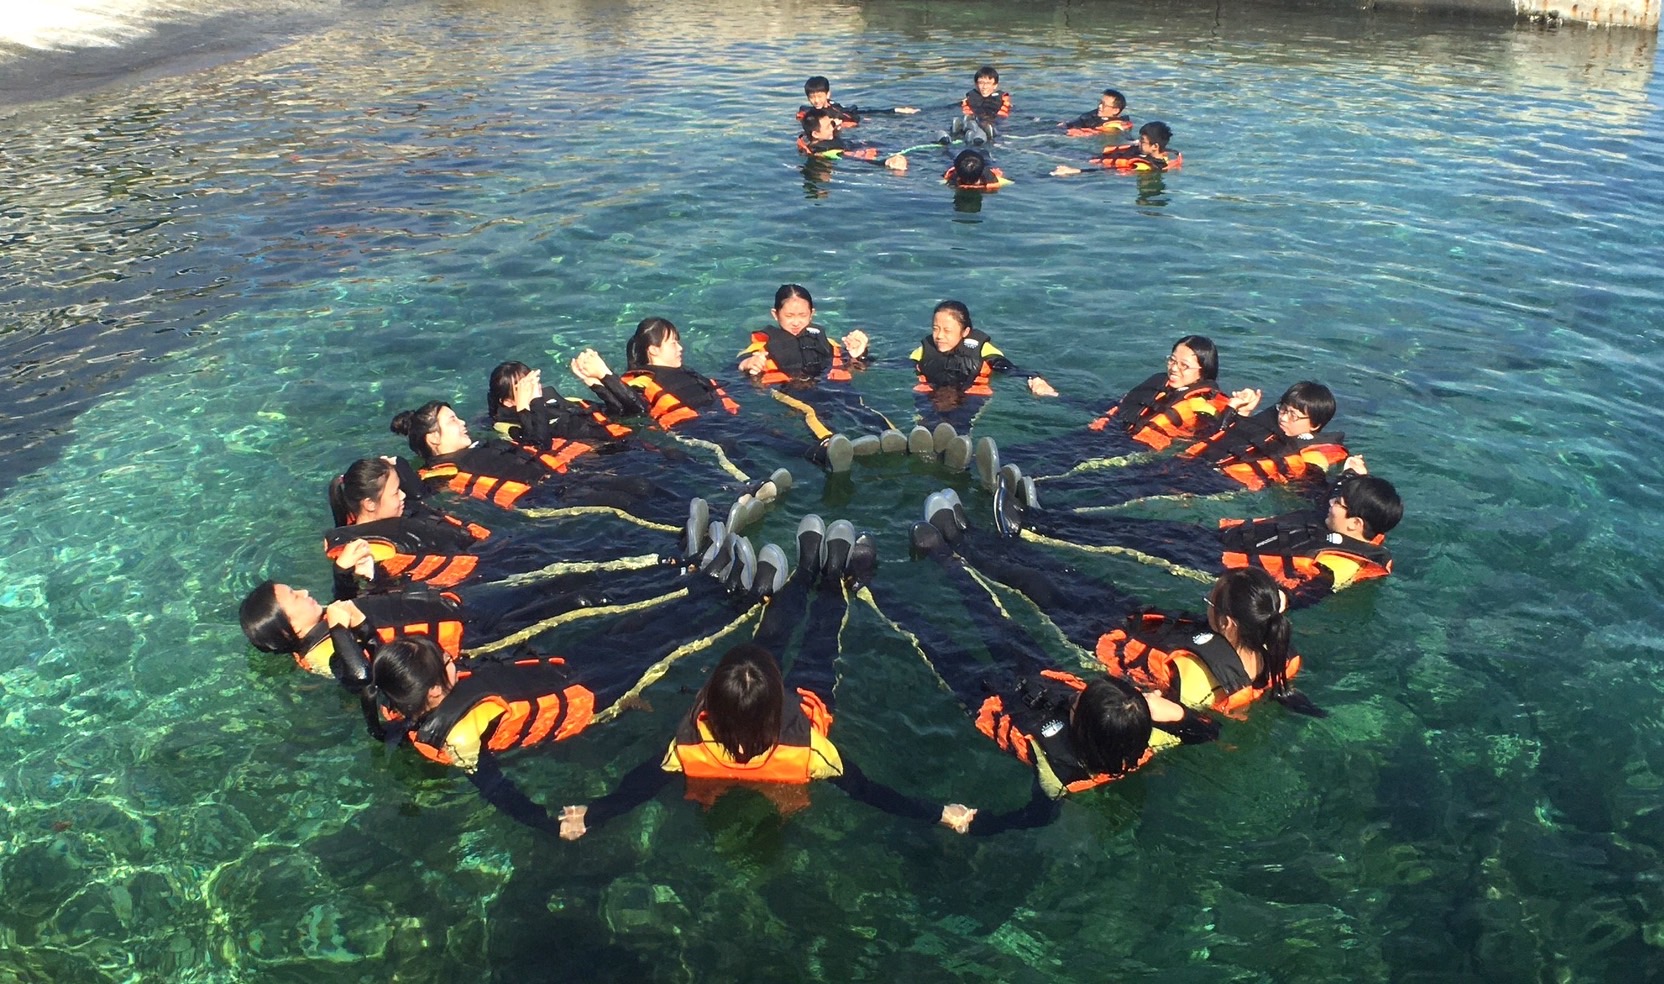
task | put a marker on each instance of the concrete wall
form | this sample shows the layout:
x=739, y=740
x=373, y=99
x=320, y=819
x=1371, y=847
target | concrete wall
x=1601, y=13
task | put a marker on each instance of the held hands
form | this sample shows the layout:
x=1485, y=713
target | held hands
x=1355, y=465
x=572, y=822
x=589, y=367
x=1245, y=401
x=1064, y=170
x=896, y=162
x=754, y=364
x=907, y=110
x=343, y=615
x=1039, y=387
x=957, y=817
x=855, y=344
x=356, y=557
x=529, y=388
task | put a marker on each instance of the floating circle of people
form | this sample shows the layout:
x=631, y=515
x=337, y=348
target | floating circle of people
x=432, y=613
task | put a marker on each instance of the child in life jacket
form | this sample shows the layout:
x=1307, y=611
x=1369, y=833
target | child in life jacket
x=1109, y=117
x=972, y=172
x=1150, y=153
x=818, y=90
x=984, y=106
x=820, y=139
x=956, y=363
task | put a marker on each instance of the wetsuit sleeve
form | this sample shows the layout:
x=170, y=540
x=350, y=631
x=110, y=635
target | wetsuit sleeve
x=344, y=583
x=1039, y=811
x=639, y=785
x=1312, y=590
x=1195, y=728
x=532, y=426
x=411, y=485
x=618, y=398
x=855, y=783
x=351, y=663
x=500, y=791
x=1085, y=121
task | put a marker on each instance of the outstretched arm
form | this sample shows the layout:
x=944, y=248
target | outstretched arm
x=638, y=786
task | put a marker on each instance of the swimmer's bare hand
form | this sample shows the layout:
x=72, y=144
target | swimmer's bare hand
x=357, y=557
x=1039, y=387
x=589, y=367
x=1355, y=464
x=529, y=388
x=1064, y=170
x=957, y=817
x=754, y=364
x=855, y=344
x=896, y=162
x=572, y=822
x=1245, y=401
x=907, y=110
x=343, y=615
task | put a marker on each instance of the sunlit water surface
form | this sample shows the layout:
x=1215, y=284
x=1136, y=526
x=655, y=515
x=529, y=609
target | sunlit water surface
x=218, y=287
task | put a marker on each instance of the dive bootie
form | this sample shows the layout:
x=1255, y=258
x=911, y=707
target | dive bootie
x=866, y=445
x=693, y=534
x=811, y=545
x=988, y=463
x=942, y=436
x=778, y=484
x=839, y=454
x=771, y=571
x=1030, y=497
x=920, y=442
x=747, y=510
x=840, y=539
x=719, y=556
x=742, y=574
x=958, y=507
x=863, y=561
x=926, y=541
x=892, y=441
x=938, y=512
x=1008, y=501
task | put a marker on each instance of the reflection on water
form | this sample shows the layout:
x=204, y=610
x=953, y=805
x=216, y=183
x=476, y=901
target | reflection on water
x=219, y=287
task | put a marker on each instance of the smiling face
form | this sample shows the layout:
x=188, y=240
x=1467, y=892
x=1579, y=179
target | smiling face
x=820, y=100
x=667, y=353
x=299, y=607
x=947, y=332
x=794, y=315
x=389, y=502
x=449, y=432
x=1184, y=370
x=986, y=86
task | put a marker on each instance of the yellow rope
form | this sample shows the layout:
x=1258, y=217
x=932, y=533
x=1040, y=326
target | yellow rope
x=565, y=512
x=1178, y=570
x=722, y=459
x=820, y=430
x=640, y=562
x=662, y=666
x=574, y=615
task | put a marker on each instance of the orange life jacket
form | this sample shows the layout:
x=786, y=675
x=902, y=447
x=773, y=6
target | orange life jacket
x=965, y=368
x=1288, y=548
x=674, y=396
x=425, y=548
x=1155, y=416
x=1127, y=157
x=993, y=180
x=789, y=761
x=498, y=473
x=1145, y=649
x=538, y=704
x=966, y=109
x=1034, y=724
x=810, y=354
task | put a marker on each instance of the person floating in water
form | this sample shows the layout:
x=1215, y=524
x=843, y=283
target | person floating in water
x=982, y=109
x=956, y=363
x=972, y=172
x=818, y=90
x=1150, y=153
x=1109, y=117
x=820, y=139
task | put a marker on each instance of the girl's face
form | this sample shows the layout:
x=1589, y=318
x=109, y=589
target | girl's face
x=449, y=432
x=437, y=692
x=947, y=332
x=1183, y=368
x=299, y=607
x=794, y=315
x=667, y=353
x=388, y=504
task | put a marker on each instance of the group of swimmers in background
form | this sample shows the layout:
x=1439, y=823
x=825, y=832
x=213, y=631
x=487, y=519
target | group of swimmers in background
x=983, y=115
x=432, y=612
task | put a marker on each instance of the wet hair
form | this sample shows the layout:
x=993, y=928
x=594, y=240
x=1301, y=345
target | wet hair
x=789, y=291
x=404, y=671
x=1109, y=726
x=957, y=309
x=816, y=83
x=1312, y=399
x=970, y=168
x=364, y=479
x=1115, y=94
x=1207, y=355
x=743, y=702
x=987, y=72
x=417, y=424
x=1373, y=500
x=1159, y=133
x=812, y=120
x=1251, y=597
x=501, y=388
x=267, y=628
x=650, y=333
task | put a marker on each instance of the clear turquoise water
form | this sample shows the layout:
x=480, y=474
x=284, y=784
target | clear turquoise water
x=243, y=272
